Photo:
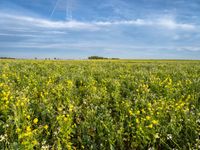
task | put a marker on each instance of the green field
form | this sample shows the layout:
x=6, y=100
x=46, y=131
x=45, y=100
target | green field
x=104, y=104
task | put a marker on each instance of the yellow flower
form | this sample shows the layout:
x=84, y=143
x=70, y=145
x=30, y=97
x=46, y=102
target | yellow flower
x=65, y=118
x=137, y=120
x=3, y=75
x=148, y=117
x=28, y=128
x=188, y=97
x=46, y=127
x=35, y=121
x=18, y=130
x=143, y=111
x=156, y=136
x=60, y=109
x=150, y=126
x=149, y=105
x=138, y=112
x=170, y=81
x=22, y=103
x=71, y=107
x=186, y=110
x=155, y=122
x=70, y=83
x=35, y=142
x=130, y=112
x=28, y=117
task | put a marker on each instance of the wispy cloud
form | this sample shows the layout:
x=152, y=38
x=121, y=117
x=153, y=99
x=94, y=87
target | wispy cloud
x=163, y=23
x=166, y=23
x=103, y=46
x=39, y=22
x=172, y=24
x=189, y=48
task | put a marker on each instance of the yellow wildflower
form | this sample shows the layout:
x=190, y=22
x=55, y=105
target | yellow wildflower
x=46, y=127
x=22, y=103
x=28, y=117
x=35, y=142
x=150, y=126
x=70, y=83
x=148, y=117
x=18, y=130
x=71, y=107
x=137, y=120
x=130, y=112
x=149, y=105
x=155, y=122
x=28, y=128
x=60, y=109
x=156, y=136
x=138, y=112
x=35, y=121
x=65, y=118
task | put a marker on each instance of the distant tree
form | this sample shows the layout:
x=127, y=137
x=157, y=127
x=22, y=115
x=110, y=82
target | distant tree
x=115, y=58
x=98, y=57
x=6, y=58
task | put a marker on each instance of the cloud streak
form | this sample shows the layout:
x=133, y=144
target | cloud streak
x=101, y=46
x=164, y=23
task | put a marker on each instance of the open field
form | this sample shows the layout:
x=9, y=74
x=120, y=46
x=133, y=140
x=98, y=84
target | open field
x=104, y=104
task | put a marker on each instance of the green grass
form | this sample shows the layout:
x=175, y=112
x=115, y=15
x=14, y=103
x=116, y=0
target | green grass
x=99, y=104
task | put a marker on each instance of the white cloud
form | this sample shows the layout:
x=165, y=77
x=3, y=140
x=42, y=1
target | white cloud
x=20, y=35
x=138, y=22
x=172, y=24
x=162, y=23
x=39, y=22
x=166, y=23
x=189, y=48
x=105, y=46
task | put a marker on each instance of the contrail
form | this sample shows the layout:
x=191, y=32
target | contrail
x=54, y=9
x=68, y=10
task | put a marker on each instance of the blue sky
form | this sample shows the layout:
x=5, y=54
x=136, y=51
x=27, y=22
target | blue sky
x=138, y=29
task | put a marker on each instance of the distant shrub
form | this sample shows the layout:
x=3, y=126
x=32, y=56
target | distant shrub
x=99, y=57
x=6, y=58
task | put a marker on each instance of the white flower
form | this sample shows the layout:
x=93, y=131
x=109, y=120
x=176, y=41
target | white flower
x=45, y=147
x=198, y=121
x=157, y=136
x=151, y=148
x=169, y=136
x=2, y=137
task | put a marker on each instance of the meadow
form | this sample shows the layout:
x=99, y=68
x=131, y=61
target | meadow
x=104, y=104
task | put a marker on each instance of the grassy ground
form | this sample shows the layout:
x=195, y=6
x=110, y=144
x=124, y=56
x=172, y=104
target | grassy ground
x=104, y=104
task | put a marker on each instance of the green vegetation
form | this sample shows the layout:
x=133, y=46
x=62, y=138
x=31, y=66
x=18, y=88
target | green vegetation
x=6, y=58
x=104, y=104
x=99, y=57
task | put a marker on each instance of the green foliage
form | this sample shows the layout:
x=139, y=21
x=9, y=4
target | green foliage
x=96, y=57
x=119, y=104
x=99, y=57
